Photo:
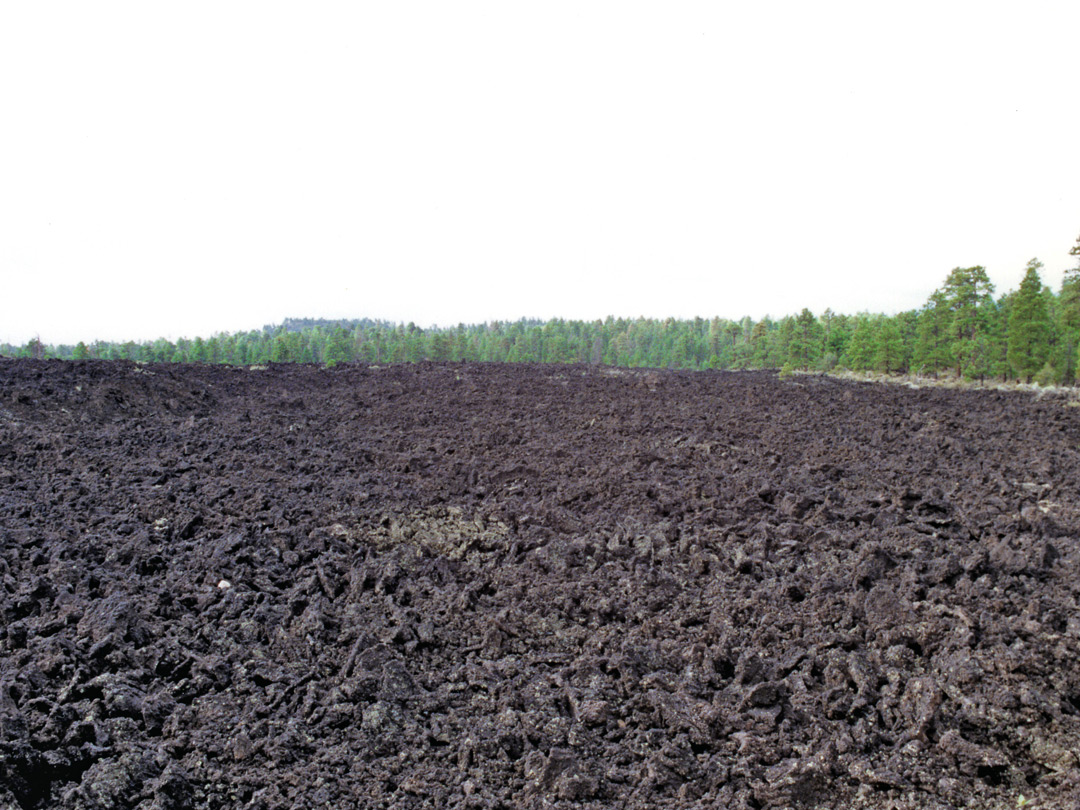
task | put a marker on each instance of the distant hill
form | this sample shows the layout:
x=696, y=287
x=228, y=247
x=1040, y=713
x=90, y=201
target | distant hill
x=306, y=324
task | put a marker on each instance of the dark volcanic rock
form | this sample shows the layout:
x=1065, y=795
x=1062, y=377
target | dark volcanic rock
x=493, y=586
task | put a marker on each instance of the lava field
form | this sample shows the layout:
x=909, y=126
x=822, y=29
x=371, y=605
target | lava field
x=492, y=586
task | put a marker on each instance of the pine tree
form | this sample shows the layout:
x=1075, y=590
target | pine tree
x=965, y=290
x=759, y=343
x=932, y=330
x=163, y=351
x=837, y=340
x=863, y=346
x=1057, y=368
x=889, y=357
x=804, y=346
x=907, y=322
x=213, y=349
x=34, y=349
x=198, y=351
x=1029, y=325
x=828, y=361
x=785, y=338
x=338, y=347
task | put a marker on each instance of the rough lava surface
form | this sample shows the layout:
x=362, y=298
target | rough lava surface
x=452, y=586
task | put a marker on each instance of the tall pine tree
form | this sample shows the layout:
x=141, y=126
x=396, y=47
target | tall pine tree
x=889, y=354
x=932, y=332
x=1029, y=325
x=862, y=350
x=966, y=289
x=805, y=345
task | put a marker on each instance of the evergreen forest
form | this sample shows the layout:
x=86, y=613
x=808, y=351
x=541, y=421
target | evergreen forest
x=1029, y=335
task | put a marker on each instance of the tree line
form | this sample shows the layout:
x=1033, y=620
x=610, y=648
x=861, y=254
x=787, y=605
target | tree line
x=1029, y=334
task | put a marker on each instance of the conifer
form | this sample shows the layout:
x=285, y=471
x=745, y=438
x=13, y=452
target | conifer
x=1029, y=325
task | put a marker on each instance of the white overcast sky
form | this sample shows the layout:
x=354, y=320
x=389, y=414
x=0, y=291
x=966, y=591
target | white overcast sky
x=179, y=169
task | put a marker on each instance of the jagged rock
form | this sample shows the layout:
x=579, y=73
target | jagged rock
x=476, y=585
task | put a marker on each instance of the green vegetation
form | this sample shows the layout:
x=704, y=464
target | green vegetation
x=1030, y=334
x=1029, y=326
